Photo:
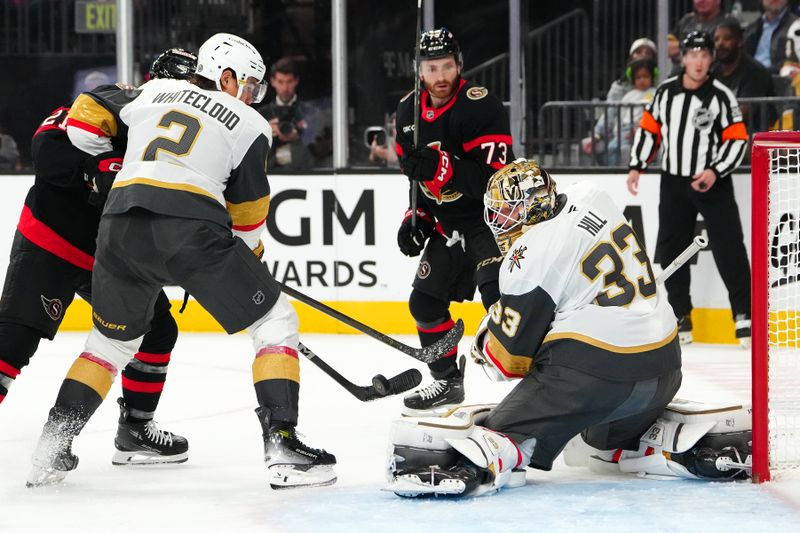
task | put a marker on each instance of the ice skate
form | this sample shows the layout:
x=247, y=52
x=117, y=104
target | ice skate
x=439, y=397
x=143, y=443
x=743, y=330
x=291, y=463
x=435, y=482
x=53, y=458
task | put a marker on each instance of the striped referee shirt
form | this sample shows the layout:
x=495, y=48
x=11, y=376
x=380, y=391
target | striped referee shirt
x=700, y=129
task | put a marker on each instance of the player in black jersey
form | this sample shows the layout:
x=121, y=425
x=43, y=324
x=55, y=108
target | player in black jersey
x=51, y=260
x=464, y=137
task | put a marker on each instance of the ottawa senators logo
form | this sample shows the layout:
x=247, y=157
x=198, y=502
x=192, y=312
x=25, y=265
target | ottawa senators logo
x=53, y=307
x=424, y=270
x=476, y=93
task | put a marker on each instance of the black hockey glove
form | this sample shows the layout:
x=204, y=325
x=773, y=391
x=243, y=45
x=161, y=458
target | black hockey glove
x=99, y=173
x=432, y=166
x=412, y=240
x=420, y=164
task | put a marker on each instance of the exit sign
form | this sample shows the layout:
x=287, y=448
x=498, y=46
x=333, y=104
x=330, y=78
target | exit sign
x=95, y=16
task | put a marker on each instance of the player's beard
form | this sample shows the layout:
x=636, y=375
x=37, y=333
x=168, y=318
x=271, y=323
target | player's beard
x=443, y=89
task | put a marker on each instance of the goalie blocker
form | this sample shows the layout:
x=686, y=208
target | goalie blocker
x=454, y=456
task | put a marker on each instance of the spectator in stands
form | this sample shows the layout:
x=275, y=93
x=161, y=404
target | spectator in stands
x=286, y=118
x=705, y=16
x=742, y=74
x=382, y=149
x=765, y=39
x=642, y=48
x=642, y=73
x=9, y=153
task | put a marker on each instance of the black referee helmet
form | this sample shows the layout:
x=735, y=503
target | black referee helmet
x=697, y=40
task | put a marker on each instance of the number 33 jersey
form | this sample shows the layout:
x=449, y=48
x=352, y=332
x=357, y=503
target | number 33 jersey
x=578, y=289
x=191, y=153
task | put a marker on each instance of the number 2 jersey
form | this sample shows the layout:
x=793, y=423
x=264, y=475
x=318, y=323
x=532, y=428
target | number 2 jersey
x=191, y=153
x=578, y=291
x=473, y=128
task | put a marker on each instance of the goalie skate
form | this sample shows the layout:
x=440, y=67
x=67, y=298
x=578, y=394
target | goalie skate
x=434, y=482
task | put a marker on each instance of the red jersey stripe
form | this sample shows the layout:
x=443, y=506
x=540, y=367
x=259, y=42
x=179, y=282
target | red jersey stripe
x=152, y=358
x=141, y=386
x=9, y=370
x=86, y=127
x=445, y=326
x=249, y=227
x=44, y=237
x=469, y=145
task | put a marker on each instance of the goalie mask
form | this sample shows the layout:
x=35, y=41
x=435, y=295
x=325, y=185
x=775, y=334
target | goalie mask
x=520, y=194
x=226, y=51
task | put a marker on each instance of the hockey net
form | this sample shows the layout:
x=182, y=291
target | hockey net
x=776, y=304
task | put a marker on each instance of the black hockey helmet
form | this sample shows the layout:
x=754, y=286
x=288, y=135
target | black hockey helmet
x=174, y=64
x=435, y=44
x=697, y=40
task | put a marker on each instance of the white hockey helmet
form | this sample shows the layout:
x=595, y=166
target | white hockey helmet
x=226, y=51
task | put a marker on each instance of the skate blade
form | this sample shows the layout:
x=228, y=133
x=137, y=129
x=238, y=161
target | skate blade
x=294, y=477
x=43, y=477
x=139, y=458
x=411, y=486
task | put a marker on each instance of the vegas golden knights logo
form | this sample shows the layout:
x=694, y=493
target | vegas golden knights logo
x=53, y=307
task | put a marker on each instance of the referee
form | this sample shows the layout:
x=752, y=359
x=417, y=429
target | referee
x=699, y=123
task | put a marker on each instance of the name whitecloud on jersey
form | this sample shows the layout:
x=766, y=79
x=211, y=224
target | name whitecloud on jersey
x=201, y=102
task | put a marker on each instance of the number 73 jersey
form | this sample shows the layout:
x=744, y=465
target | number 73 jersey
x=583, y=281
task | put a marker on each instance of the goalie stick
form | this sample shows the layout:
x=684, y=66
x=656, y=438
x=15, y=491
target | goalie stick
x=426, y=354
x=698, y=244
x=380, y=388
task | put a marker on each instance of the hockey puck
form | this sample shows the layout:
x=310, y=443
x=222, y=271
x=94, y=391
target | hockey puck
x=381, y=385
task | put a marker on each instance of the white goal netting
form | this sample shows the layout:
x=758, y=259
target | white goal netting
x=784, y=308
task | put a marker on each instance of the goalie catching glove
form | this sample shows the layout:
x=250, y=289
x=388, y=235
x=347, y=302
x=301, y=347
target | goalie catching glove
x=99, y=173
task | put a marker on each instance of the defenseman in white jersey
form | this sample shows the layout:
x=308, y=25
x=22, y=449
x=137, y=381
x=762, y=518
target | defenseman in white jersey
x=188, y=208
x=582, y=324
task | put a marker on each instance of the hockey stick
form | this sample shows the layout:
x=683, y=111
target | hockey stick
x=415, y=185
x=698, y=244
x=380, y=388
x=426, y=354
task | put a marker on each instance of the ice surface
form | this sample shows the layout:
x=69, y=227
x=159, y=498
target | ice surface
x=210, y=400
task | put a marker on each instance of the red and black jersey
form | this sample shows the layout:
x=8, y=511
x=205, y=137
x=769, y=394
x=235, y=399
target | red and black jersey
x=57, y=216
x=473, y=127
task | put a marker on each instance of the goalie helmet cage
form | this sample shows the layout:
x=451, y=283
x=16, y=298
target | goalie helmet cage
x=776, y=303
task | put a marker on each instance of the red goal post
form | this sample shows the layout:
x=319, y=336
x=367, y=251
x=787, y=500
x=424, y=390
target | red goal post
x=776, y=303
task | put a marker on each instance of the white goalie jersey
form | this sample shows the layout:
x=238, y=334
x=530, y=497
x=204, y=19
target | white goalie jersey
x=582, y=276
